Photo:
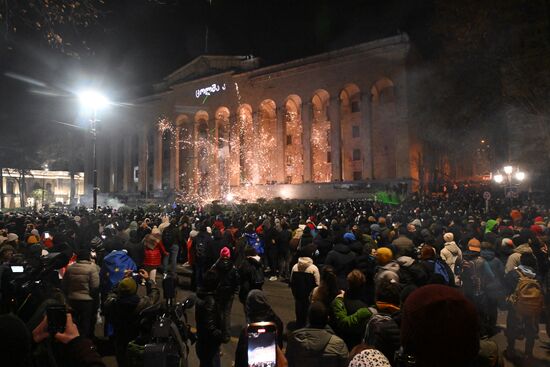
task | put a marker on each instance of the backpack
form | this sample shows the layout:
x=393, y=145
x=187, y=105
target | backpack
x=258, y=277
x=201, y=252
x=378, y=333
x=113, y=268
x=439, y=269
x=527, y=299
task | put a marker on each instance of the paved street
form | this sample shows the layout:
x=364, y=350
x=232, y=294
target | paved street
x=281, y=300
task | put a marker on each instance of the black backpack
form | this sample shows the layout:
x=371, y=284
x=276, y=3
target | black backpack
x=258, y=277
x=383, y=333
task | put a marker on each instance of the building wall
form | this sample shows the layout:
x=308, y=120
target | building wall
x=340, y=116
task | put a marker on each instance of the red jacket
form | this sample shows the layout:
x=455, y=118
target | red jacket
x=153, y=257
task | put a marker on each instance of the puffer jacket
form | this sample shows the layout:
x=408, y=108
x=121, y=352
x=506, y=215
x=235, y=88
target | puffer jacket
x=452, y=255
x=316, y=347
x=154, y=250
x=305, y=265
x=513, y=260
x=81, y=280
x=229, y=279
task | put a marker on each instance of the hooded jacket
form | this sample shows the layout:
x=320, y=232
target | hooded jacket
x=247, y=272
x=342, y=259
x=229, y=279
x=390, y=271
x=316, y=347
x=514, y=259
x=452, y=255
x=81, y=280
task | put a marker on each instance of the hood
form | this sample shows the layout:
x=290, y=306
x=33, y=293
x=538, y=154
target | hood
x=405, y=261
x=257, y=304
x=524, y=249
x=341, y=248
x=392, y=265
x=491, y=223
x=487, y=254
x=452, y=247
x=312, y=340
x=224, y=264
x=304, y=263
x=133, y=226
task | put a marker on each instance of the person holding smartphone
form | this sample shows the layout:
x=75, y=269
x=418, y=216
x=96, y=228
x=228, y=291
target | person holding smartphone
x=209, y=322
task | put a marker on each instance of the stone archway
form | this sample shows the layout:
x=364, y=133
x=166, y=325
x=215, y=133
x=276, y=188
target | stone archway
x=294, y=148
x=321, y=155
x=353, y=151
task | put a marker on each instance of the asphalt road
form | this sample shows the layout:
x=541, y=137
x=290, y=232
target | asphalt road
x=281, y=300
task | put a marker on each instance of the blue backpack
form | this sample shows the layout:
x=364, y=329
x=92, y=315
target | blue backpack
x=113, y=268
x=439, y=269
x=254, y=241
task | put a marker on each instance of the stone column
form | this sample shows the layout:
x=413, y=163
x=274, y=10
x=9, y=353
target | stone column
x=281, y=143
x=127, y=175
x=157, y=162
x=173, y=157
x=306, y=140
x=366, y=135
x=176, y=156
x=142, y=161
x=234, y=152
x=113, y=165
x=402, y=143
x=335, y=134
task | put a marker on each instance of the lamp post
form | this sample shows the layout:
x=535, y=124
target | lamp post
x=93, y=100
x=509, y=176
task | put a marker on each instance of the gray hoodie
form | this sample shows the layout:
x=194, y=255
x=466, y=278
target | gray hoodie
x=316, y=347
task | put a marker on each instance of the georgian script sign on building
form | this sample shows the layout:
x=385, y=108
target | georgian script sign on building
x=206, y=91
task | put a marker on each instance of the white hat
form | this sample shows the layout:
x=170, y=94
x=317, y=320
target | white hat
x=12, y=237
x=77, y=218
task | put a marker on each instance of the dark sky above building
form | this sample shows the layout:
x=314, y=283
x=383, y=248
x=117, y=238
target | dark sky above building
x=137, y=42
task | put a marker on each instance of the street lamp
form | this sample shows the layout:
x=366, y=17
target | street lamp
x=93, y=100
x=519, y=176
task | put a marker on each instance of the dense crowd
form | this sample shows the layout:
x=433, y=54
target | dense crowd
x=415, y=284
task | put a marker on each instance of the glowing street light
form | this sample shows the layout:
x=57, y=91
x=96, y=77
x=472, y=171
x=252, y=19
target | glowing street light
x=498, y=178
x=508, y=178
x=520, y=176
x=93, y=100
x=508, y=170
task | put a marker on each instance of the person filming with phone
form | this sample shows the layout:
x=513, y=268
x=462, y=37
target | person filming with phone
x=123, y=307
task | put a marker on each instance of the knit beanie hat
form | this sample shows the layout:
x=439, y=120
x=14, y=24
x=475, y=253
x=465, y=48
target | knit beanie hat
x=225, y=253
x=440, y=324
x=127, y=287
x=383, y=256
x=32, y=239
x=369, y=358
x=15, y=341
x=448, y=237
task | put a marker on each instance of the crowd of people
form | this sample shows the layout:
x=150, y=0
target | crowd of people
x=415, y=284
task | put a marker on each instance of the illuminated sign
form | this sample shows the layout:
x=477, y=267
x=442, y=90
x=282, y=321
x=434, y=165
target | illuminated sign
x=214, y=88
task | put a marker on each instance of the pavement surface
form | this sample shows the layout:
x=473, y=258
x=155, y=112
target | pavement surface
x=280, y=298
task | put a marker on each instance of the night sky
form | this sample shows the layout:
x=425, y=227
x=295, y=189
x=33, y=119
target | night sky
x=137, y=42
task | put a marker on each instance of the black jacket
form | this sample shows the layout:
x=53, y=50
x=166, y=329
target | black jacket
x=207, y=318
x=229, y=279
x=342, y=259
x=247, y=275
x=324, y=245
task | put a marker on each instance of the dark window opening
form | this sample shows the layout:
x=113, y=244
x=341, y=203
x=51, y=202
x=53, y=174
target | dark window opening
x=289, y=140
x=356, y=154
x=329, y=157
x=357, y=176
x=355, y=132
x=355, y=106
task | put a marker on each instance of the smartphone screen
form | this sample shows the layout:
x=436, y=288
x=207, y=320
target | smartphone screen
x=17, y=269
x=57, y=318
x=262, y=344
x=46, y=235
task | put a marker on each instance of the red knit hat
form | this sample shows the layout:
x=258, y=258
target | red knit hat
x=440, y=324
x=225, y=253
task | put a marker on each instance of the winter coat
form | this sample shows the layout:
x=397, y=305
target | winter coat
x=229, y=279
x=452, y=255
x=411, y=272
x=154, y=250
x=135, y=249
x=324, y=245
x=316, y=347
x=390, y=271
x=304, y=277
x=247, y=273
x=350, y=325
x=342, y=259
x=207, y=318
x=494, y=263
x=404, y=246
x=81, y=281
x=387, y=338
x=513, y=260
